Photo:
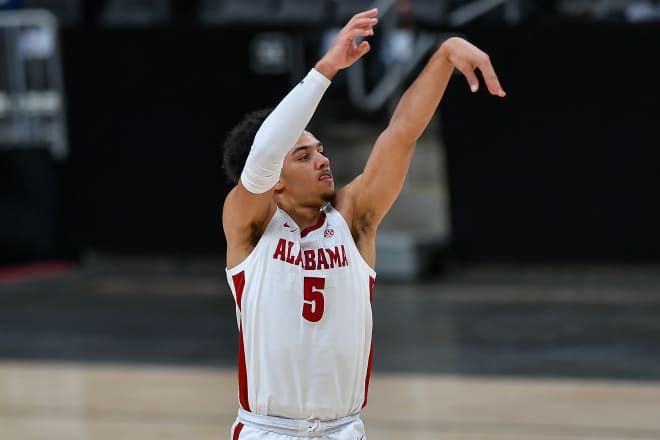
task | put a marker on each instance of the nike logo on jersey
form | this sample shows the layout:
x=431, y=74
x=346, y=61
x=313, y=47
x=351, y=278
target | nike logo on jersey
x=287, y=225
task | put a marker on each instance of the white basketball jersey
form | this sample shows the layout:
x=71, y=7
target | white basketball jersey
x=304, y=317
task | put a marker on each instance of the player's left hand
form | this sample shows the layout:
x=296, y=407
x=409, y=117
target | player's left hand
x=467, y=58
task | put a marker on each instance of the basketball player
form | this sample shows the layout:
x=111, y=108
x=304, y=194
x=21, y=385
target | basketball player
x=301, y=255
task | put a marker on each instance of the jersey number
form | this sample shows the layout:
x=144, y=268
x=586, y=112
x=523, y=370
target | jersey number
x=313, y=299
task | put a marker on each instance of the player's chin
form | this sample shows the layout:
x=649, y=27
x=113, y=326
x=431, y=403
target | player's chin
x=328, y=196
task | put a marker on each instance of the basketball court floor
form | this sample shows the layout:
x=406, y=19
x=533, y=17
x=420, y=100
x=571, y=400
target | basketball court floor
x=127, y=349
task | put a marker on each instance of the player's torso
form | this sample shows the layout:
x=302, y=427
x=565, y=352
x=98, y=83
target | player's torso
x=305, y=320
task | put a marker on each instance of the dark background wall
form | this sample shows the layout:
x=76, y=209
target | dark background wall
x=148, y=111
x=566, y=167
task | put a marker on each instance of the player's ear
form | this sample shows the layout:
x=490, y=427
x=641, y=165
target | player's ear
x=278, y=186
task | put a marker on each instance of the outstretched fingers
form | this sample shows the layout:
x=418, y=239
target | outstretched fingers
x=370, y=13
x=359, y=27
x=347, y=47
x=491, y=80
x=353, y=33
x=471, y=77
x=487, y=72
x=468, y=58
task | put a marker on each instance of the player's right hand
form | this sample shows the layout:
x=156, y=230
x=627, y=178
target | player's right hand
x=344, y=51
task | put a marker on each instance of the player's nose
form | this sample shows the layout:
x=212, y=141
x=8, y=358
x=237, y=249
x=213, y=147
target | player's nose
x=322, y=162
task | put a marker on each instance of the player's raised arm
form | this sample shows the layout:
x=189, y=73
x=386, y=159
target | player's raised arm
x=375, y=190
x=249, y=205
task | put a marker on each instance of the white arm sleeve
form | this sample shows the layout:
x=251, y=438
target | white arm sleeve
x=280, y=131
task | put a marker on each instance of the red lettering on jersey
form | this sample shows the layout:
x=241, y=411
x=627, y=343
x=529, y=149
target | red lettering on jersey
x=281, y=250
x=344, y=260
x=310, y=260
x=333, y=257
x=321, y=262
x=289, y=256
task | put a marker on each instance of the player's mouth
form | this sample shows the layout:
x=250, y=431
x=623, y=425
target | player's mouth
x=326, y=176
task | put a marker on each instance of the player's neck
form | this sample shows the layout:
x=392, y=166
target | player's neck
x=304, y=216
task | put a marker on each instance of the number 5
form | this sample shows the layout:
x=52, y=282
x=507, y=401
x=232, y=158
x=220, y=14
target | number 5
x=313, y=299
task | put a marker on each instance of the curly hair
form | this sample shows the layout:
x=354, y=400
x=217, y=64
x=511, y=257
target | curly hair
x=237, y=145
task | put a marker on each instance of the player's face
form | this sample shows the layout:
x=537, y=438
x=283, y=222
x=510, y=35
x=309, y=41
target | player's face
x=306, y=171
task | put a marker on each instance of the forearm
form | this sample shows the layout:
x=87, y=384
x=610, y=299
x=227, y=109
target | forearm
x=420, y=101
x=280, y=131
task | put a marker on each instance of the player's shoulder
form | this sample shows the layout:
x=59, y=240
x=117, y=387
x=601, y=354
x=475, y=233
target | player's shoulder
x=343, y=202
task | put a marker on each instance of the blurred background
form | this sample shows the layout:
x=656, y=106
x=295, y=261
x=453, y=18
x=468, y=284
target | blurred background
x=519, y=278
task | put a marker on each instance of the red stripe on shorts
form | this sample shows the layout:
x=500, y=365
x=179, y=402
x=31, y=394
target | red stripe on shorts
x=237, y=431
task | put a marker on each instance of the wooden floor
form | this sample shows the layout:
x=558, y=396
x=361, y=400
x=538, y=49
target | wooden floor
x=108, y=402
